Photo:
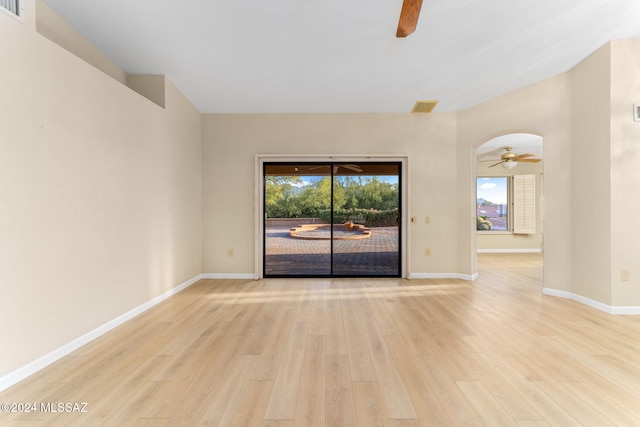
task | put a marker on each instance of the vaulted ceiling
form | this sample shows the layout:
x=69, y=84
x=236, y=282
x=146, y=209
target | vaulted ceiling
x=230, y=56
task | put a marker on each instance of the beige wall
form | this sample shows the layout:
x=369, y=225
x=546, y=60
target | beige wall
x=231, y=143
x=543, y=109
x=605, y=174
x=625, y=175
x=100, y=192
x=589, y=164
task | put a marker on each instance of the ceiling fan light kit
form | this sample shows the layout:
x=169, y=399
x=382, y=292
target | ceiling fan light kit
x=509, y=160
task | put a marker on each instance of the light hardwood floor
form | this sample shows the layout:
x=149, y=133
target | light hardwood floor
x=354, y=352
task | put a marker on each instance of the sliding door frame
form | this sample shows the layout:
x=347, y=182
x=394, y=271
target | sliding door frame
x=259, y=214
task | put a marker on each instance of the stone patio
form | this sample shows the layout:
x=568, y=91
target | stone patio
x=373, y=256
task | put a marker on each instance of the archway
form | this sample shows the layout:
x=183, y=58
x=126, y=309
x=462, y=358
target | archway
x=509, y=187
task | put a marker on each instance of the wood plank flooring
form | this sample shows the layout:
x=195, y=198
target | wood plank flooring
x=354, y=352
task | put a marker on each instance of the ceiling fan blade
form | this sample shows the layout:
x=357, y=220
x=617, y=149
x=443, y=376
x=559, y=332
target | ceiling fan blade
x=496, y=164
x=523, y=156
x=529, y=160
x=354, y=168
x=336, y=167
x=408, y=17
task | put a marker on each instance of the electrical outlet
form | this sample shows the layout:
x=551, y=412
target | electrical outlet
x=427, y=252
x=625, y=275
x=230, y=252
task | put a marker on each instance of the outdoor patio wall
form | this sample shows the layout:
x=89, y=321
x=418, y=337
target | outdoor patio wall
x=232, y=141
x=100, y=192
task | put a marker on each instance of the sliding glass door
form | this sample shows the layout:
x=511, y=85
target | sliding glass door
x=297, y=195
x=332, y=219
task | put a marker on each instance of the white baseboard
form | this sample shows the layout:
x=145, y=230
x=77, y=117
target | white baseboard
x=249, y=276
x=592, y=303
x=33, y=367
x=626, y=309
x=468, y=277
x=509, y=251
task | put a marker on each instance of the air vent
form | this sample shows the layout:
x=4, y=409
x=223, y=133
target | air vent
x=11, y=6
x=424, y=106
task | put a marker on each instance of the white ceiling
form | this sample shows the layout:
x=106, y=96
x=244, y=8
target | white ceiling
x=231, y=56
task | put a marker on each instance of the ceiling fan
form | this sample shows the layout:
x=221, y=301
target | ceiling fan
x=408, y=17
x=354, y=168
x=509, y=159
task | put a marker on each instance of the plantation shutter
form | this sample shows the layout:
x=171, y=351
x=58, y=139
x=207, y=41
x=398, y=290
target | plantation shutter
x=524, y=204
x=10, y=5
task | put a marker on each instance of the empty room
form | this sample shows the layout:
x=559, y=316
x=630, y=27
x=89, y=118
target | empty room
x=328, y=213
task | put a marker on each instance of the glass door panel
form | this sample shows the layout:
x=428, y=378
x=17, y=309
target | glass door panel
x=297, y=211
x=366, y=206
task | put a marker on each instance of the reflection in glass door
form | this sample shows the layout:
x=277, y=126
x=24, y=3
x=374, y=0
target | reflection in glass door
x=332, y=219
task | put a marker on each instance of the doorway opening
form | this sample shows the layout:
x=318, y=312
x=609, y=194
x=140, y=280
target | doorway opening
x=331, y=219
x=509, y=188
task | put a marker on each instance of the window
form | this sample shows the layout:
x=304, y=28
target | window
x=492, y=201
x=14, y=7
x=506, y=204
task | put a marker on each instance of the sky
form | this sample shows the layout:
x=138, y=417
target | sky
x=493, y=189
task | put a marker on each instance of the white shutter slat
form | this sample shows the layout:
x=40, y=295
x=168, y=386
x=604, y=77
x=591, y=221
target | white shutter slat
x=524, y=204
x=10, y=5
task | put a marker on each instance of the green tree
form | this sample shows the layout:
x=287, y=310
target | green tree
x=317, y=196
x=351, y=187
x=280, y=195
x=354, y=197
x=370, y=193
